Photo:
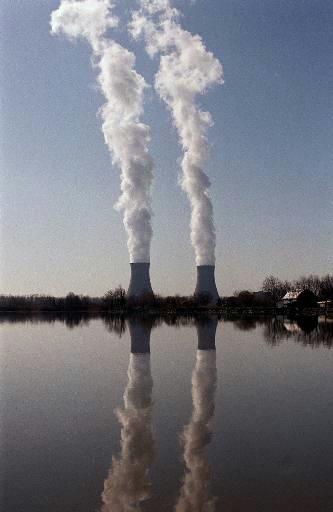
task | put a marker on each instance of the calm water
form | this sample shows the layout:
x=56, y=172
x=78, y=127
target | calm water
x=91, y=421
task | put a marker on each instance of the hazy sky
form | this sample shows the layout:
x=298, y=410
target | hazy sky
x=270, y=163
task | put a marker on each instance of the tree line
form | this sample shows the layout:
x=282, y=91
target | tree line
x=322, y=287
x=273, y=289
x=113, y=300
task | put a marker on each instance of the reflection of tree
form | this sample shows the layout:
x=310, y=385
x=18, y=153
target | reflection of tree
x=305, y=330
x=246, y=323
x=128, y=484
x=115, y=323
x=71, y=319
x=274, y=331
x=322, y=335
x=195, y=495
x=178, y=321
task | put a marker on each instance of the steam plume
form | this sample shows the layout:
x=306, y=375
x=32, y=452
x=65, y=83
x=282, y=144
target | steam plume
x=195, y=493
x=127, y=484
x=125, y=135
x=186, y=70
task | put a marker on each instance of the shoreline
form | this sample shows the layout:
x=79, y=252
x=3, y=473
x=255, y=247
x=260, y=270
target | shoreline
x=223, y=312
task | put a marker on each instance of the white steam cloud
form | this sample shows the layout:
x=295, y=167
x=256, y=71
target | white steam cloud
x=128, y=482
x=125, y=135
x=186, y=70
x=195, y=493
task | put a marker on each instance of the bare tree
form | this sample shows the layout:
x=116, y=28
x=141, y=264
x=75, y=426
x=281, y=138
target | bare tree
x=275, y=287
x=326, y=287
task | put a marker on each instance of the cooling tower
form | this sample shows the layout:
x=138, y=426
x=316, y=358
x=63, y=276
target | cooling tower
x=206, y=331
x=140, y=280
x=206, y=282
x=140, y=336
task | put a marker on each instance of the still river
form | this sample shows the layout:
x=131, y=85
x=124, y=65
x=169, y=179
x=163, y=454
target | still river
x=179, y=415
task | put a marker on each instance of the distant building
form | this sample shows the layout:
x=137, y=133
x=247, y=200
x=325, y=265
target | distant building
x=290, y=297
x=299, y=298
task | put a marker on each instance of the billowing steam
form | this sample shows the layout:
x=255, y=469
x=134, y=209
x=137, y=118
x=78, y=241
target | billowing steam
x=186, y=70
x=195, y=494
x=127, y=138
x=127, y=484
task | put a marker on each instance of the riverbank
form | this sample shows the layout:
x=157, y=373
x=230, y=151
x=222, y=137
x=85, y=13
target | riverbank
x=116, y=303
x=148, y=310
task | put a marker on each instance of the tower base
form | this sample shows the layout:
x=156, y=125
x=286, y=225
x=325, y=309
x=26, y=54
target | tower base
x=206, y=285
x=140, y=281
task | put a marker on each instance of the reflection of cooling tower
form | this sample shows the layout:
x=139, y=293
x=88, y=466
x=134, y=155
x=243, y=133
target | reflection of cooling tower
x=206, y=331
x=140, y=336
x=140, y=280
x=128, y=483
x=195, y=495
x=206, y=282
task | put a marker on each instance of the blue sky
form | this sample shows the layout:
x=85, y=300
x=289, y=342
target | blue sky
x=270, y=161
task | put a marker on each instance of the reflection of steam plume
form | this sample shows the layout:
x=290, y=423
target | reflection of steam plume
x=186, y=70
x=126, y=136
x=195, y=494
x=128, y=483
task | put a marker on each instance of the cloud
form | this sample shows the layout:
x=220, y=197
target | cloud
x=186, y=70
x=125, y=135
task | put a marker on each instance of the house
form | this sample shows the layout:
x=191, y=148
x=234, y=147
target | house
x=299, y=298
x=290, y=297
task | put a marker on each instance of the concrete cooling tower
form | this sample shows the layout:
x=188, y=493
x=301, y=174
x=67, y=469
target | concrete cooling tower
x=140, y=280
x=206, y=282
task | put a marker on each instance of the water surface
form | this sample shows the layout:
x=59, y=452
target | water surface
x=199, y=416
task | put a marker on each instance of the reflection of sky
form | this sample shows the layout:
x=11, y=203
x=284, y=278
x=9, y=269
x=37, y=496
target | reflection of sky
x=273, y=417
x=270, y=165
